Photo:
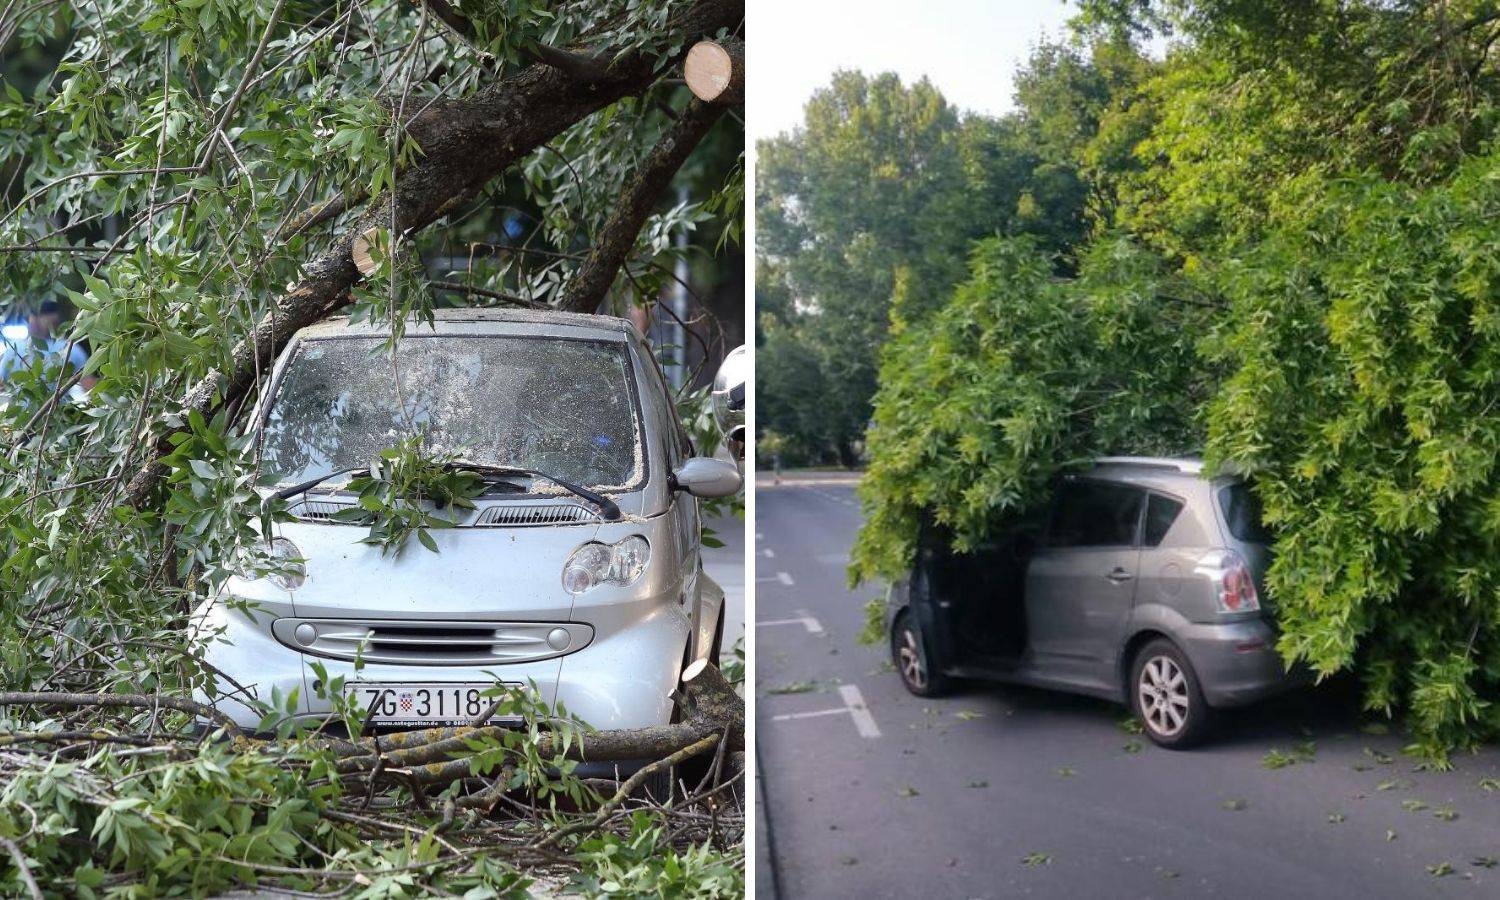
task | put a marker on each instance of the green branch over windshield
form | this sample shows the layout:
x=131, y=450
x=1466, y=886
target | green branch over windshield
x=393, y=497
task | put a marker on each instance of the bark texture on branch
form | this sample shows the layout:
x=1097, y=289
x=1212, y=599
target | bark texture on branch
x=592, y=281
x=715, y=71
x=464, y=143
x=119, y=701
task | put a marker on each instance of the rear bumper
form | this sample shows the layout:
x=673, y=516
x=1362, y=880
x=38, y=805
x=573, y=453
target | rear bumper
x=621, y=680
x=1237, y=663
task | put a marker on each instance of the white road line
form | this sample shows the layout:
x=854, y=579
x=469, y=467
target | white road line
x=863, y=721
x=812, y=625
x=785, y=579
x=785, y=717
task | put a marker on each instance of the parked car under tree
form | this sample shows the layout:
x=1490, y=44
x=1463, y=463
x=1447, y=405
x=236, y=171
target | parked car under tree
x=1144, y=583
x=578, y=570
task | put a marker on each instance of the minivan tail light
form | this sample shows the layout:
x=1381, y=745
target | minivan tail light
x=1234, y=585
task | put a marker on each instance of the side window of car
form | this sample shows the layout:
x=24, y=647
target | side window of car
x=661, y=399
x=1161, y=512
x=1095, y=514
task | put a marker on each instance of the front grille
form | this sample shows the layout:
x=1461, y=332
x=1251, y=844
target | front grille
x=318, y=510
x=502, y=514
x=536, y=514
x=432, y=643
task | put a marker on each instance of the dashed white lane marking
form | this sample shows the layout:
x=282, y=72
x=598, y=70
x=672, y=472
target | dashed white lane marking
x=863, y=721
x=854, y=707
x=786, y=717
x=806, y=620
x=768, y=553
x=785, y=578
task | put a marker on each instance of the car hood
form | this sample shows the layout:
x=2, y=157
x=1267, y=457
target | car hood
x=478, y=572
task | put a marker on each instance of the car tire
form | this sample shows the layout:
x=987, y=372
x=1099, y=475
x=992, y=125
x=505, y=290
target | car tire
x=1166, y=697
x=718, y=644
x=919, y=672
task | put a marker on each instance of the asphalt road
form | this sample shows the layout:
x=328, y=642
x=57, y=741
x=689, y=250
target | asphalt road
x=867, y=791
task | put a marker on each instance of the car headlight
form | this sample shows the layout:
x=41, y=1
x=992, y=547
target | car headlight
x=594, y=564
x=289, y=560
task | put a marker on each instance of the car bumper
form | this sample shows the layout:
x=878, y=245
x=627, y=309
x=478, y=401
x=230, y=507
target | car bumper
x=623, y=679
x=1237, y=663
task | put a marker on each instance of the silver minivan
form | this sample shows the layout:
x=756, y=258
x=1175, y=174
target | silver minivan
x=577, y=570
x=1144, y=582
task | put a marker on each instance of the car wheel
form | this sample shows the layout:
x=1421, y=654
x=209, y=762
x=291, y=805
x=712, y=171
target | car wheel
x=912, y=661
x=1166, y=698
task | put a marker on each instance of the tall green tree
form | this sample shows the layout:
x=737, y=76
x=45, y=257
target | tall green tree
x=872, y=205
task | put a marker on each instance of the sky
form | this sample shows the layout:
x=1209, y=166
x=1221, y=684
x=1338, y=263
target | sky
x=969, y=49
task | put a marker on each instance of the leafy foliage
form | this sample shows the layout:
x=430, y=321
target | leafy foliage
x=874, y=202
x=1365, y=353
x=393, y=498
x=1019, y=376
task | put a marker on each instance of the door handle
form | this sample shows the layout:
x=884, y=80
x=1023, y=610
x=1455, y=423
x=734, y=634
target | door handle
x=1119, y=576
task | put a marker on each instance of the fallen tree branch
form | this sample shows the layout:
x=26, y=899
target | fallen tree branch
x=20, y=860
x=715, y=71
x=135, y=701
x=631, y=785
x=464, y=144
x=711, y=707
x=587, y=288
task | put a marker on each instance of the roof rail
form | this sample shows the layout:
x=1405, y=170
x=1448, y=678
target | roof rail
x=1187, y=465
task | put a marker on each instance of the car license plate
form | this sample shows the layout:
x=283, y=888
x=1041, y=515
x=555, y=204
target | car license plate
x=435, y=703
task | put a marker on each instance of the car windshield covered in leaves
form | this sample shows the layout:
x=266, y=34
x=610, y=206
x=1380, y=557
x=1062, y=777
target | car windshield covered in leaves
x=564, y=407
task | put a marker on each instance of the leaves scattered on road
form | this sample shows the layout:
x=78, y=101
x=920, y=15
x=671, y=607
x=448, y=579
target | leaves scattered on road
x=1235, y=804
x=795, y=687
x=1034, y=859
x=1305, y=752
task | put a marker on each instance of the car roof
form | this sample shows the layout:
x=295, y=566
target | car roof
x=538, y=322
x=1162, y=472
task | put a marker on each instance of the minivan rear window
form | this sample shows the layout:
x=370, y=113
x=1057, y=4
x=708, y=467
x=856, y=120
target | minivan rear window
x=1242, y=513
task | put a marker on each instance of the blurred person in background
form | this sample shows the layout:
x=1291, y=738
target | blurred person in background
x=59, y=359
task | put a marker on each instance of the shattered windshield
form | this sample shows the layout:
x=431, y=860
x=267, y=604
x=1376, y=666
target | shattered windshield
x=562, y=407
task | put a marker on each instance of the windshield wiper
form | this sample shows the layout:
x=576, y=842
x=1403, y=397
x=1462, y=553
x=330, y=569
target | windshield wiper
x=607, y=507
x=304, y=487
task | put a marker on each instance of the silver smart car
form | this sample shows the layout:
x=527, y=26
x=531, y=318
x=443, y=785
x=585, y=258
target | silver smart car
x=577, y=571
x=1143, y=583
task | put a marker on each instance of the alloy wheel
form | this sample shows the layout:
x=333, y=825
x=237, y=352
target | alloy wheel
x=910, y=659
x=1163, y=694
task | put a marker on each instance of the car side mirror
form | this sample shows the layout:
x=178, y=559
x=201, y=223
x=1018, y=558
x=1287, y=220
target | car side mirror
x=704, y=476
x=728, y=398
